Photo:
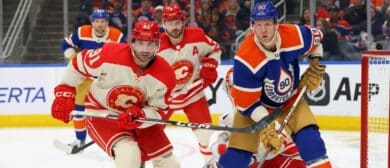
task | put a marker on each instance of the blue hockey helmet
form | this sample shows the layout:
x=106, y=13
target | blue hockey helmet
x=99, y=14
x=264, y=10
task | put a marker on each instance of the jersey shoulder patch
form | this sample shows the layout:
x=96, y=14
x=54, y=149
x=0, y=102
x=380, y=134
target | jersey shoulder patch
x=250, y=54
x=163, y=72
x=291, y=36
x=194, y=34
x=116, y=53
x=85, y=31
x=114, y=34
x=164, y=41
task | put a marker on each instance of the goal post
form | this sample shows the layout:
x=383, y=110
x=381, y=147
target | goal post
x=375, y=110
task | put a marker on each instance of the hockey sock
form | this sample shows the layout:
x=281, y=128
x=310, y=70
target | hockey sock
x=310, y=144
x=79, y=123
x=234, y=158
x=127, y=154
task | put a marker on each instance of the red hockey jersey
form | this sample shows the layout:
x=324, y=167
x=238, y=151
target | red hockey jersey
x=119, y=83
x=184, y=58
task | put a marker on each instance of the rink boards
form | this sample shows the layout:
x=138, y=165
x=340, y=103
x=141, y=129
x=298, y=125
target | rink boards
x=26, y=93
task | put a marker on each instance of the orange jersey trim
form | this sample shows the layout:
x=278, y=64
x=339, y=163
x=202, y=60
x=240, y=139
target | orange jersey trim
x=246, y=99
x=290, y=36
x=114, y=34
x=85, y=31
x=249, y=53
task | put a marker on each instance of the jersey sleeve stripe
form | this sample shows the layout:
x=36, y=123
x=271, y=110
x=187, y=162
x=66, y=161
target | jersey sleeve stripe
x=79, y=64
x=313, y=46
x=92, y=103
x=69, y=41
x=244, y=99
x=295, y=41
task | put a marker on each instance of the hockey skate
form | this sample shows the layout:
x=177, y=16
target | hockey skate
x=72, y=148
x=218, y=147
x=77, y=143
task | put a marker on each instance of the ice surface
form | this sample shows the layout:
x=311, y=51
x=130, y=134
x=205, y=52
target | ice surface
x=33, y=148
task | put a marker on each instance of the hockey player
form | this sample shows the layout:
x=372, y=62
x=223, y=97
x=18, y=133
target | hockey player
x=194, y=58
x=132, y=81
x=88, y=37
x=266, y=74
x=92, y=36
x=286, y=157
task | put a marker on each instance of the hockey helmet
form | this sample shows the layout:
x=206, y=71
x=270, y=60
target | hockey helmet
x=172, y=12
x=146, y=30
x=99, y=14
x=264, y=10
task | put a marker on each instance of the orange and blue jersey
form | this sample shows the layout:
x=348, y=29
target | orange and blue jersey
x=83, y=38
x=261, y=77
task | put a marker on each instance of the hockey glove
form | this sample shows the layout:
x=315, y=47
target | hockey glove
x=63, y=102
x=208, y=71
x=270, y=138
x=312, y=77
x=127, y=118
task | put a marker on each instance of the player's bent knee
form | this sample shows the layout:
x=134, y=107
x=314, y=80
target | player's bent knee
x=127, y=154
x=167, y=160
x=234, y=158
x=310, y=144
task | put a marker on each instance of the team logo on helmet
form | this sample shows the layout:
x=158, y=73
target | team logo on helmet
x=183, y=71
x=146, y=30
x=261, y=7
x=264, y=10
x=172, y=12
x=123, y=97
x=99, y=14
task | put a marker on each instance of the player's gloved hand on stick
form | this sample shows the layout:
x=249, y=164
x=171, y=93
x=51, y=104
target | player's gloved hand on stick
x=312, y=77
x=63, y=102
x=127, y=118
x=270, y=138
x=208, y=71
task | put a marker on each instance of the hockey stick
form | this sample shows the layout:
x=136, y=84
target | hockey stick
x=284, y=123
x=257, y=127
x=76, y=149
x=68, y=149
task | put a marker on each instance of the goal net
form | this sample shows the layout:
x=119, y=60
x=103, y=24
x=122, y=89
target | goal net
x=375, y=102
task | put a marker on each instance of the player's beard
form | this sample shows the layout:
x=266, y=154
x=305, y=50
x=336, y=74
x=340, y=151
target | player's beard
x=175, y=33
x=143, y=58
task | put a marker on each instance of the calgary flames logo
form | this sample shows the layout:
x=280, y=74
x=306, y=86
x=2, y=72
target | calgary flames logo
x=184, y=70
x=122, y=97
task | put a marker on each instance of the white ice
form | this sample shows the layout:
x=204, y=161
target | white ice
x=33, y=148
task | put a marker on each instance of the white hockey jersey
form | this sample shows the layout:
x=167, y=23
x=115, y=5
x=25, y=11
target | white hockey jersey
x=119, y=83
x=184, y=58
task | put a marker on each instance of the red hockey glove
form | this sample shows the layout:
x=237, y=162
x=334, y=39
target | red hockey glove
x=208, y=71
x=127, y=118
x=63, y=102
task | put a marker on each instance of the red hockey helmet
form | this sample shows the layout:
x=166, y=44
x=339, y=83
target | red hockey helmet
x=172, y=12
x=146, y=30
